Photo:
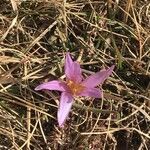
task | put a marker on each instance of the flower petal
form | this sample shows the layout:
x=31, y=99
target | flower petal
x=72, y=69
x=64, y=107
x=53, y=85
x=98, y=77
x=91, y=92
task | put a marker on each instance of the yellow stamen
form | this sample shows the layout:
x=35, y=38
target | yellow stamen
x=75, y=88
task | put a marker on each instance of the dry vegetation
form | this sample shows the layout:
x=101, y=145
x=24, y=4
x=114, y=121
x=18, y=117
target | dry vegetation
x=34, y=36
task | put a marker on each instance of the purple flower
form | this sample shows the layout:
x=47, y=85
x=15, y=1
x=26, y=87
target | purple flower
x=75, y=86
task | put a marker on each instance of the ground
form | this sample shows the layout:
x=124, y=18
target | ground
x=34, y=38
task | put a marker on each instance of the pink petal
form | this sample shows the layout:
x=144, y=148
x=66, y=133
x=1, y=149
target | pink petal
x=64, y=107
x=98, y=77
x=72, y=69
x=52, y=85
x=91, y=92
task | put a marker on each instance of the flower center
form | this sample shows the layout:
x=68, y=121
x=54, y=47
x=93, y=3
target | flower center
x=76, y=88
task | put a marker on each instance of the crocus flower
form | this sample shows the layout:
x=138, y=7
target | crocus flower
x=75, y=85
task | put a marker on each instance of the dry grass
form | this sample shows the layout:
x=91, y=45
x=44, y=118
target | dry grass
x=34, y=36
